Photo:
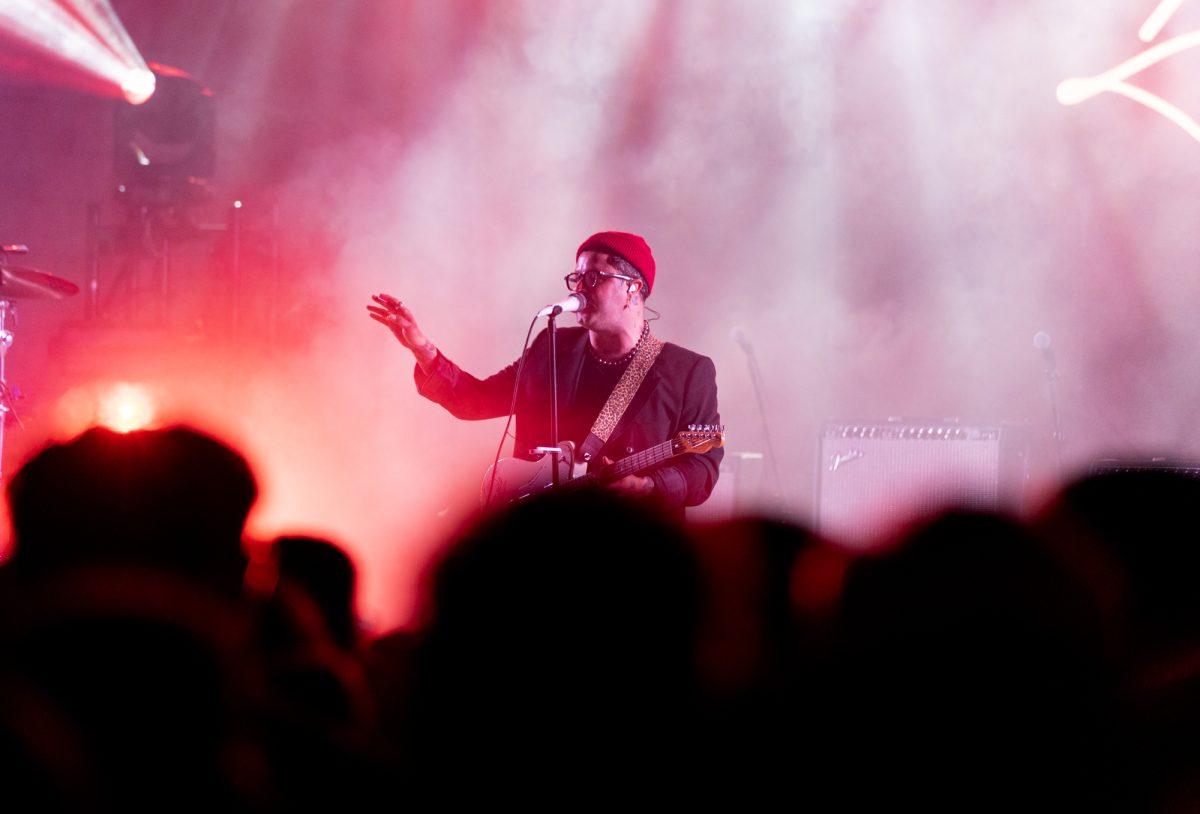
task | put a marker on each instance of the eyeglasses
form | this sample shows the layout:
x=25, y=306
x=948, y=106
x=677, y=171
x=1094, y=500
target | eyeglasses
x=591, y=278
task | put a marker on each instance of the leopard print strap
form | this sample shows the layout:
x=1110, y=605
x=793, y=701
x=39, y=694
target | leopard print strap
x=622, y=394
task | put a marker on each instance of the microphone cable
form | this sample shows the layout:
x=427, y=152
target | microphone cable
x=512, y=411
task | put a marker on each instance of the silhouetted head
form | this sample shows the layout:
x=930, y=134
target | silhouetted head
x=173, y=499
x=974, y=635
x=771, y=587
x=326, y=575
x=151, y=673
x=559, y=643
x=1143, y=524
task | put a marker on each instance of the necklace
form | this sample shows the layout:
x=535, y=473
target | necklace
x=625, y=358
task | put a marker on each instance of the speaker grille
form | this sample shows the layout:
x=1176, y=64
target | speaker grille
x=874, y=476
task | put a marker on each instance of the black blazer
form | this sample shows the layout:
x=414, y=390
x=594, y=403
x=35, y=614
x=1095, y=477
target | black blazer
x=679, y=389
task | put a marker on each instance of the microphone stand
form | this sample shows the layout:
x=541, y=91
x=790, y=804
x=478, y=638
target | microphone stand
x=756, y=383
x=553, y=328
x=8, y=309
x=1042, y=341
x=1052, y=385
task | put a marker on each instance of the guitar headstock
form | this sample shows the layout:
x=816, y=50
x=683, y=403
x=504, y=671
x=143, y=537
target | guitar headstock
x=699, y=438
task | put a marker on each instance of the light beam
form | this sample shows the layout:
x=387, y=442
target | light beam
x=1081, y=88
x=85, y=38
x=1157, y=19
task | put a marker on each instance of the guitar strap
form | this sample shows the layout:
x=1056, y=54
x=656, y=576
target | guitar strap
x=621, y=396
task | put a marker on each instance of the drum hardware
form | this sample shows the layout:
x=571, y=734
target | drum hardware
x=19, y=283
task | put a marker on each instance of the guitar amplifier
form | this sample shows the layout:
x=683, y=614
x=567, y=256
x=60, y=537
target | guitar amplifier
x=1190, y=469
x=874, y=476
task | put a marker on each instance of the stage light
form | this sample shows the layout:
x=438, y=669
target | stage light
x=165, y=149
x=75, y=42
x=139, y=86
x=120, y=406
x=126, y=407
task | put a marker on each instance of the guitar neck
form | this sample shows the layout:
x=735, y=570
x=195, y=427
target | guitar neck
x=635, y=463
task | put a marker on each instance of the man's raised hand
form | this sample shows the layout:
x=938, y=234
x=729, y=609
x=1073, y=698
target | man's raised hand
x=400, y=320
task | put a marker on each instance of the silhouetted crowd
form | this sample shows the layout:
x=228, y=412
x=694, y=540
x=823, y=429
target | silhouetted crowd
x=582, y=650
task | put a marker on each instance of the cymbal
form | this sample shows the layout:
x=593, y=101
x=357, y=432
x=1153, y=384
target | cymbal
x=18, y=283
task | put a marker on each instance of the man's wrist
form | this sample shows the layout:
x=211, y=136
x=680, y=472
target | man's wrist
x=425, y=353
x=426, y=356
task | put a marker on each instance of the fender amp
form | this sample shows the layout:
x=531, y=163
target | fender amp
x=874, y=476
x=1190, y=469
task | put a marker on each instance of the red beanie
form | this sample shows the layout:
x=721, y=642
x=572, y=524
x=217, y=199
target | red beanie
x=632, y=247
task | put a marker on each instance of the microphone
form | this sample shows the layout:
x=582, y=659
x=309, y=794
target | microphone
x=14, y=248
x=575, y=302
x=739, y=336
x=1041, y=341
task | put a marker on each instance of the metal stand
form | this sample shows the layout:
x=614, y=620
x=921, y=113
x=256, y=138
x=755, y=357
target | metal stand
x=756, y=383
x=16, y=282
x=234, y=227
x=93, y=262
x=1052, y=385
x=1041, y=341
x=142, y=287
x=6, y=399
x=554, y=392
x=188, y=268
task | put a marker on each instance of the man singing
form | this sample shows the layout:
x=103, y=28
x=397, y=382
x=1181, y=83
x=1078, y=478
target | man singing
x=615, y=272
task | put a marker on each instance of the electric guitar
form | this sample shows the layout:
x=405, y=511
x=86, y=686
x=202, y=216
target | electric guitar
x=513, y=479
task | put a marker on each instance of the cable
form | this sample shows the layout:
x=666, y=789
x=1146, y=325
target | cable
x=512, y=410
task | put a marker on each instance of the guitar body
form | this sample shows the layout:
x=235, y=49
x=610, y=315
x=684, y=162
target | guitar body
x=512, y=479
x=515, y=479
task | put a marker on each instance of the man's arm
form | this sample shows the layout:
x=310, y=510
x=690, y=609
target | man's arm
x=461, y=393
x=400, y=321
x=689, y=479
x=439, y=379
